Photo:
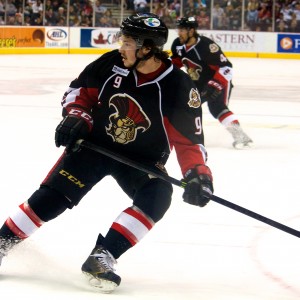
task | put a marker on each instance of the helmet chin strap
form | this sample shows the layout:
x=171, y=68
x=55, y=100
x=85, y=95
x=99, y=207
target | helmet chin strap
x=139, y=59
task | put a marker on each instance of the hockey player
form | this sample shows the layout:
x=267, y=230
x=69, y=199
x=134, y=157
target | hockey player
x=125, y=101
x=211, y=71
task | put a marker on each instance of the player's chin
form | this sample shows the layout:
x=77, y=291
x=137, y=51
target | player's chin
x=127, y=63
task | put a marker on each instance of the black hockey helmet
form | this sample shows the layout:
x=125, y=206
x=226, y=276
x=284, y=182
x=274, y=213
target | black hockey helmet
x=189, y=22
x=143, y=27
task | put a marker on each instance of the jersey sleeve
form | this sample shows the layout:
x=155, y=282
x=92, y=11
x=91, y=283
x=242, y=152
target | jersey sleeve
x=176, y=59
x=184, y=125
x=82, y=92
x=216, y=60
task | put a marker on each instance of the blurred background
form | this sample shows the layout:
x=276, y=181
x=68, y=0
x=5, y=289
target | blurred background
x=245, y=15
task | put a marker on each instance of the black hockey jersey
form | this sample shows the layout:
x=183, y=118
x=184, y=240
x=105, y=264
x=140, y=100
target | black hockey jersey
x=141, y=121
x=203, y=61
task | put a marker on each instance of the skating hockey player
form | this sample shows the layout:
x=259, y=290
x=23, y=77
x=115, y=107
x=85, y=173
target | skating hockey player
x=211, y=71
x=135, y=102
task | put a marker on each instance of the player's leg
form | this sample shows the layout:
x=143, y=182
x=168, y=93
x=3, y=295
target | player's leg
x=151, y=199
x=67, y=182
x=220, y=111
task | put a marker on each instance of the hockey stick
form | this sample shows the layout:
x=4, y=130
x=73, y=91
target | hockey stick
x=163, y=176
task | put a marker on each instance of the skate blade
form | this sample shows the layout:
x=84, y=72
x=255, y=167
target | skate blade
x=242, y=146
x=101, y=285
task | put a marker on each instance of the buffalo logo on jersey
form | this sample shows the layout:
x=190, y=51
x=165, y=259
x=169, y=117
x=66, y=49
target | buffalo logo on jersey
x=127, y=119
x=195, y=100
x=193, y=69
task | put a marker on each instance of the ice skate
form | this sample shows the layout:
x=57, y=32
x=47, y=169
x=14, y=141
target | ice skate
x=99, y=268
x=241, y=139
x=5, y=246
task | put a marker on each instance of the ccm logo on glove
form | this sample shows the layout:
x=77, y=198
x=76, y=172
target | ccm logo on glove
x=82, y=114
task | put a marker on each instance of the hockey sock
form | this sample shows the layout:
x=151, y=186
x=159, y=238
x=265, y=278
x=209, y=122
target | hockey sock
x=127, y=230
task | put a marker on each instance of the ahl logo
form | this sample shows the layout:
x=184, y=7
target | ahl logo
x=56, y=34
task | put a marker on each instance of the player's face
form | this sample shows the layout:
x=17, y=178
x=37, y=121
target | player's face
x=127, y=50
x=183, y=34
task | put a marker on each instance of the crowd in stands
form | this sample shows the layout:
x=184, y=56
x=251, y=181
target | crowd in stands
x=255, y=15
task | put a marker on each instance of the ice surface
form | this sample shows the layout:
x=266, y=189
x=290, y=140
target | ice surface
x=211, y=253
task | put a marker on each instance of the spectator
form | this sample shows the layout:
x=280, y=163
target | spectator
x=218, y=16
x=203, y=20
x=252, y=14
x=72, y=15
x=191, y=10
x=10, y=8
x=37, y=8
x=294, y=23
x=61, y=21
x=140, y=6
x=2, y=12
x=61, y=15
x=37, y=21
x=19, y=19
x=50, y=18
x=264, y=17
x=175, y=6
x=280, y=25
x=100, y=9
x=102, y=22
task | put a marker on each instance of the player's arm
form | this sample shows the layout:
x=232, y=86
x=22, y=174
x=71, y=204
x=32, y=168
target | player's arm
x=176, y=59
x=184, y=129
x=216, y=60
x=77, y=102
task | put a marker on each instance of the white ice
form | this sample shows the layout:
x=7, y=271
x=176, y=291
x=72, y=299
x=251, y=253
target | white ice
x=211, y=253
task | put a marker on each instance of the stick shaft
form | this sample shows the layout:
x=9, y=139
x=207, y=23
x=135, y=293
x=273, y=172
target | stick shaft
x=154, y=172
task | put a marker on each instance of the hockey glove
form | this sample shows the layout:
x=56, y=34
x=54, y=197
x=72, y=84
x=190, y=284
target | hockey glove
x=212, y=91
x=199, y=187
x=76, y=125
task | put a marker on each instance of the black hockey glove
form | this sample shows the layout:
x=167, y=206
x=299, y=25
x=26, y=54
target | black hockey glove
x=76, y=125
x=199, y=187
x=212, y=91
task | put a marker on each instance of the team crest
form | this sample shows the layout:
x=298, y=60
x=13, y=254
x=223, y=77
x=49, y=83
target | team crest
x=194, y=70
x=195, y=100
x=127, y=119
x=213, y=48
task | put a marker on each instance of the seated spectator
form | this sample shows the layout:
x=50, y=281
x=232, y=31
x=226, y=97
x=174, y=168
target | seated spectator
x=190, y=9
x=10, y=8
x=19, y=19
x=72, y=15
x=218, y=16
x=50, y=18
x=37, y=21
x=37, y=8
x=294, y=23
x=140, y=6
x=2, y=12
x=102, y=22
x=175, y=6
x=203, y=20
x=252, y=14
x=100, y=9
x=264, y=17
x=280, y=25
